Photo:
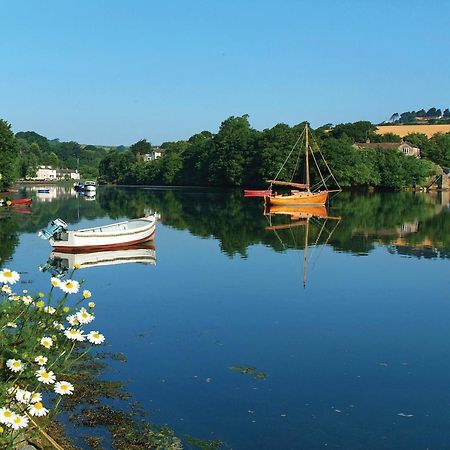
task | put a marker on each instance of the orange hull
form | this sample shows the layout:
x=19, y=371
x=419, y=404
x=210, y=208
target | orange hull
x=302, y=198
x=296, y=211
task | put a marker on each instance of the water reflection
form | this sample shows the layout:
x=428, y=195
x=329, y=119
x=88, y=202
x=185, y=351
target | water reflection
x=59, y=263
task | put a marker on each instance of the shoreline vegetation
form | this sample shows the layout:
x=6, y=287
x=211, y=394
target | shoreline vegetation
x=236, y=156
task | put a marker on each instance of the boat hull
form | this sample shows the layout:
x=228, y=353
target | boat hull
x=106, y=238
x=302, y=198
x=21, y=201
x=256, y=192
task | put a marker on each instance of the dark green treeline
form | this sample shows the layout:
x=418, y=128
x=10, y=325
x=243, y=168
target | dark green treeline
x=239, y=155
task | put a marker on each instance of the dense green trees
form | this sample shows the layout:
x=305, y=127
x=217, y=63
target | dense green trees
x=239, y=155
x=8, y=155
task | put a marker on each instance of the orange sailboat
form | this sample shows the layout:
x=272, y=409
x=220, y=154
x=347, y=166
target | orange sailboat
x=303, y=193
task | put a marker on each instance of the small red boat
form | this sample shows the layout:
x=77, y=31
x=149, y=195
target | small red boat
x=21, y=201
x=257, y=192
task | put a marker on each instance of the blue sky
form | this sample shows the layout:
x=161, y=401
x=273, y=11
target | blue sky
x=113, y=72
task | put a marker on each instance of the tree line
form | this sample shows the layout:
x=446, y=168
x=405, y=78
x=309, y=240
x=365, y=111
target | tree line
x=432, y=115
x=239, y=155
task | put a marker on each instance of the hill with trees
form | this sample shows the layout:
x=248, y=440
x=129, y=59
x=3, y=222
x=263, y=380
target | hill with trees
x=431, y=116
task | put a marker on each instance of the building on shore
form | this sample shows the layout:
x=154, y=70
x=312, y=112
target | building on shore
x=48, y=173
x=156, y=153
x=405, y=147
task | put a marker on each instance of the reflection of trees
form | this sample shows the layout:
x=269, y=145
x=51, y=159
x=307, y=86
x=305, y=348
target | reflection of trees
x=8, y=236
x=237, y=223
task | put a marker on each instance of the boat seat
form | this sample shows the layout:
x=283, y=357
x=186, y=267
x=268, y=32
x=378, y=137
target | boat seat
x=295, y=191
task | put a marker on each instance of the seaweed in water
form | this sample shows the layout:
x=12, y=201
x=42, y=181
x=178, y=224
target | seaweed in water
x=250, y=371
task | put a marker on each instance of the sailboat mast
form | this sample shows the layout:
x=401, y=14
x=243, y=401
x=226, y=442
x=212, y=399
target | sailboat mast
x=307, y=154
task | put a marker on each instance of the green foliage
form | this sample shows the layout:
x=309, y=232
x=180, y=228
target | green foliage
x=8, y=155
x=140, y=148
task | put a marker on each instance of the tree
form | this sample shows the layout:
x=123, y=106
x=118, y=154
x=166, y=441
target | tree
x=431, y=112
x=141, y=148
x=8, y=155
x=446, y=113
x=357, y=131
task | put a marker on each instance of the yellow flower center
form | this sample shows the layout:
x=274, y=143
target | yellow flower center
x=17, y=419
x=38, y=405
x=8, y=414
x=96, y=335
x=16, y=364
x=7, y=274
x=45, y=375
x=64, y=387
x=69, y=285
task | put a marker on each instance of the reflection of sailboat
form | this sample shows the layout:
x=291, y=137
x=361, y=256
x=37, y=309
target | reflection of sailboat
x=302, y=216
x=60, y=262
x=303, y=193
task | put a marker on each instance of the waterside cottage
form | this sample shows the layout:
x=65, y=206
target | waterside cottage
x=405, y=147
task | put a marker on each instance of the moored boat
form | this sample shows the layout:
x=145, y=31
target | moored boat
x=101, y=237
x=14, y=202
x=303, y=193
x=257, y=192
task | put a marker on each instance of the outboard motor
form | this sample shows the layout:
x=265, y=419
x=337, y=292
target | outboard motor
x=55, y=227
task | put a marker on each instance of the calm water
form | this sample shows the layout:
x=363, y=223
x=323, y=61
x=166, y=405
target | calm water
x=367, y=338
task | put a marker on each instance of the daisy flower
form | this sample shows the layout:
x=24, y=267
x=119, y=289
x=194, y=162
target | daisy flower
x=84, y=317
x=37, y=409
x=40, y=304
x=87, y=294
x=18, y=422
x=36, y=397
x=49, y=310
x=58, y=326
x=6, y=289
x=41, y=360
x=47, y=342
x=74, y=334
x=15, y=365
x=9, y=276
x=94, y=337
x=73, y=320
x=55, y=281
x=23, y=396
x=70, y=286
x=91, y=305
x=6, y=415
x=27, y=299
x=45, y=377
x=11, y=325
x=64, y=388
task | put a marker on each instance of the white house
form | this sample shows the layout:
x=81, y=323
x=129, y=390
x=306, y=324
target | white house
x=45, y=173
x=156, y=153
x=67, y=174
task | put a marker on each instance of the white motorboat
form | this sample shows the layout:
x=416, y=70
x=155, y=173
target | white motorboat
x=104, y=237
x=89, y=186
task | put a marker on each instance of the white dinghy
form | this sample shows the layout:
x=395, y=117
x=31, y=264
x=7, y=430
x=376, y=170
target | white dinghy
x=99, y=238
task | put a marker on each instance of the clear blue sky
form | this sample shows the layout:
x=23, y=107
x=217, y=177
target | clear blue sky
x=113, y=72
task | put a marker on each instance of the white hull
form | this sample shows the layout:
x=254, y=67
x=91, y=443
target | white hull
x=106, y=237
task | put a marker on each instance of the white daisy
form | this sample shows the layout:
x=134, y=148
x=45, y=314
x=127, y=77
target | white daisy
x=49, y=310
x=37, y=409
x=11, y=325
x=95, y=337
x=84, y=317
x=27, y=299
x=70, y=286
x=36, y=397
x=15, y=365
x=23, y=396
x=91, y=305
x=55, y=281
x=6, y=415
x=18, y=422
x=47, y=342
x=64, y=388
x=6, y=289
x=87, y=294
x=41, y=360
x=58, y=326
x=73, y=320
x=45, y=377
x=74, y=334
x=9, y=276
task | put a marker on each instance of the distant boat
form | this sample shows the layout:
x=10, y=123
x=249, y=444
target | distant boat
x=16, y=202
x=102, y=237
x=43, y=191
x=60, y=263
x=90, y=186
x=257, y=192
x=302, y=193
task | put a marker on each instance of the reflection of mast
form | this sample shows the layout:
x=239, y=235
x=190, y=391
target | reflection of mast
x=305, y=254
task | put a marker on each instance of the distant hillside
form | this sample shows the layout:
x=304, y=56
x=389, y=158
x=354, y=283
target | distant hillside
x=403, y=130
x=36, y=149
x=431, y=116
